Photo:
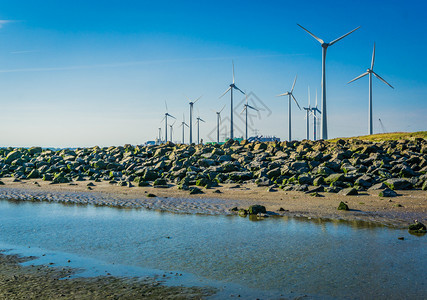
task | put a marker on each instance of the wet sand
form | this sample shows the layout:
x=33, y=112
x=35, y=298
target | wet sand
x=47, y=282
x=367, y=206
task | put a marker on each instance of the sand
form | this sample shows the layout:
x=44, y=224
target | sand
x=397, y=211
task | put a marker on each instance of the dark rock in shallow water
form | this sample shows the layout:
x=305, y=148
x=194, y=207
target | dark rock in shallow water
x=387, y=193
x=417, y=227
x=256, y=209
x=243, y=212
x=342, y=206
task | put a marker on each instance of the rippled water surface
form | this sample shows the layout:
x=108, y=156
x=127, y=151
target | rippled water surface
x=268, y=258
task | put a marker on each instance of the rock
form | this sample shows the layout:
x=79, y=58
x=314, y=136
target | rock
x=348, y=192
x=398, y=184
x=333, y=178
x=195, y=191
x=387, y=193
x=34, y=174
x=417, y=227
x=160, y=183
x=149, y=195
x=1, y=182
x=243, y=212
x=256, y=209
x=319, y=181
x=342, y=206
x=316, y=194
x=378, y=186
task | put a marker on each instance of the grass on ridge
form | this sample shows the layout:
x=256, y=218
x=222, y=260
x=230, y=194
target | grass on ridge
x=388, y=136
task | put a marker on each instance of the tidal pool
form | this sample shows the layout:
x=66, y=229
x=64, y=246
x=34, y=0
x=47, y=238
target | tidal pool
x=259, y=259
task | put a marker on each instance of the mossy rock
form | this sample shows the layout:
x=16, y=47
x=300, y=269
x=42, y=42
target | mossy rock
x=47, y=177
x=149, y=195
x=333, y=178
x=195, y=191
x=243, y=212
x=387, y=193
x=34, y=174
x=349, y=192
x=160, y=182
x=417, y=227
x=143, y=183
x=319, y=181
x=342, y=206
x=256, y=209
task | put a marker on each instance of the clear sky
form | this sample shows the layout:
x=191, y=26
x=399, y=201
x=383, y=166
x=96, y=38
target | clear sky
x=84, y=73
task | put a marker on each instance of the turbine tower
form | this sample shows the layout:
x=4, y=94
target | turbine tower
x=230, y=88
x=307, y=115
x=218, y=121
x=245, y=109
x=183, y=124
x=370, y=71
x=191, y=118
x=166, y=122
x=289, y=106
x=324, y=48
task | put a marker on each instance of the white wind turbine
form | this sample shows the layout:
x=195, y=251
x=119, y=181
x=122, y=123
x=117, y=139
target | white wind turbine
x=198, y=119
x=171, y=130
x=324, y=48
x=191, y=118
x=165, y=118
x=308, y=111
x=370, y=71
x=245, y=109
x=218, y=121
x=183, y=124
x=231, y=87
x=290, y=94
x=314, y=110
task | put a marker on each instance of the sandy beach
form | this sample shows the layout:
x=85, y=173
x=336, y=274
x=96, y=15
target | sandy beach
x=397, y=211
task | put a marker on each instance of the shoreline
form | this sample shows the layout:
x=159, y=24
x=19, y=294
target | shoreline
x=397, y=212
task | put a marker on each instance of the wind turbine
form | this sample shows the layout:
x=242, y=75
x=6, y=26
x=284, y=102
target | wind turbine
x=314, y=110
x=198, y=119
x=191, y=118
x=218, y=120
x=166, y=122
x=289, y=105
x=160, y=135
x=245, y=109
x=231, y=87
x=171, y=130
x=370, y=71
x=183, y=124
x=324, y=48
x=307, y=114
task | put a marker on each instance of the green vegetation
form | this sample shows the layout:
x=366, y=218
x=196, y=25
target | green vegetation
x=393, y=136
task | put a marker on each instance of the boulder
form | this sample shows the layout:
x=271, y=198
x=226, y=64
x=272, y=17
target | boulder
x=256, y=209
x=333, y=178
x=348, y=192
x=387, y=193
x=342, y=206
x=398, y=184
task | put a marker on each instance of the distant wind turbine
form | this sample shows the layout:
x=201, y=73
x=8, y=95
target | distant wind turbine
x=370, y=71
x=307, y=115
x=191, y=118
x=231, y=87
x=165, y=118
x=245, y=109
x=218, y=121
x=183, y=124
x=160, y=135
x=171, y=130
x=289, y=106
x=198, y=119
x=324, y=48
x=314, y=110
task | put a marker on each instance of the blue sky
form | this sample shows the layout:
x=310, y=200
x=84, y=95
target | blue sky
x=98, y=73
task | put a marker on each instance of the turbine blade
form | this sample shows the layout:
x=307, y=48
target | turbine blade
x=334, y=41
x=308, y=97
x=222, y=109
x=233, y=69
x=318, y=39
x=360, y=76
x=171, y=116
x=202, y=120
x=166, y=106
x=239, y=90
x=382, y=79
x=225, y=92
x=252, y=107
x=197, y=99
x=373, y=58
x=186, y=124
x=296, y=101
x=284, y=94
x=244, y=108
x=293, y=85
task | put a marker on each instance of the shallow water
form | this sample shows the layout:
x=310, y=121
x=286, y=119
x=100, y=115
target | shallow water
x=268, y=258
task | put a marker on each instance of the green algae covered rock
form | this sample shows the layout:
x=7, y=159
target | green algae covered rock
x=342, y=206
x=256, y=209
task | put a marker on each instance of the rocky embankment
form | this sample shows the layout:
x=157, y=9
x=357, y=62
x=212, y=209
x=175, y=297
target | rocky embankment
x=345, y=166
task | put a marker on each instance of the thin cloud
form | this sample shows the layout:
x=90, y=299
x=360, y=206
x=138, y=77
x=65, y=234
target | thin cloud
x=134, y=63
x=3, y=22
